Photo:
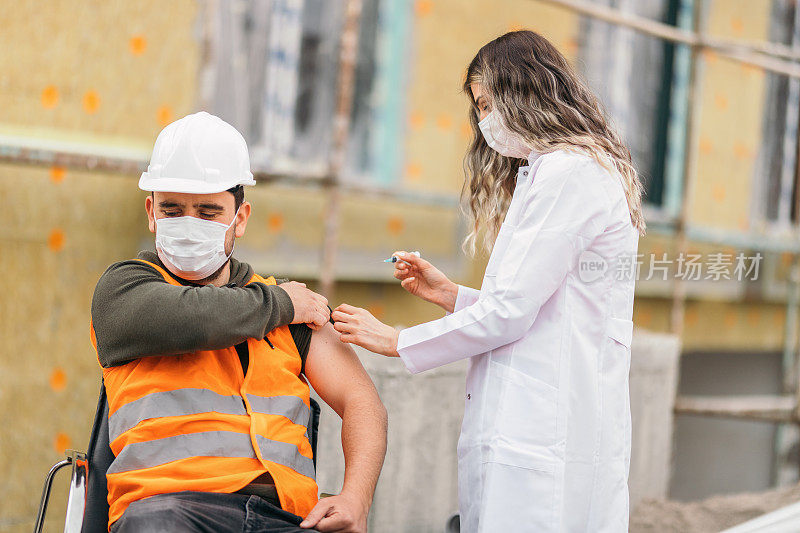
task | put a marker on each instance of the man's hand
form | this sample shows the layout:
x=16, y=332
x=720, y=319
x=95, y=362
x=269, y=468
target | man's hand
x=341, y=514
x=309, y=307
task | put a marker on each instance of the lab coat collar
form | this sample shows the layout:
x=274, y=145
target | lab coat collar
x=532, y=157
x=524, y=170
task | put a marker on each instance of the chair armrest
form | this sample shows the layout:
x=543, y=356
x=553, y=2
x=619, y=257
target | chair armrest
x=77, y=492
x=48, y=483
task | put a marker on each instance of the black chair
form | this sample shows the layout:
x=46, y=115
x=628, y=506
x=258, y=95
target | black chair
x=87, y=506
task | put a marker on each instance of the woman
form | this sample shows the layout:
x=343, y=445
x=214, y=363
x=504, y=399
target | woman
x=545, y=441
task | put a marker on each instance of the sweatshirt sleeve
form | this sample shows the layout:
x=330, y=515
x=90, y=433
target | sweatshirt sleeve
x=135, y=313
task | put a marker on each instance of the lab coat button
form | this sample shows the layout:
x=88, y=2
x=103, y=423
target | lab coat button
x=469, y=396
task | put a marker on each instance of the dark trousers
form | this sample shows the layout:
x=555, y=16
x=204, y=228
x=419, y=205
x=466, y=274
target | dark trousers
x=206, y=512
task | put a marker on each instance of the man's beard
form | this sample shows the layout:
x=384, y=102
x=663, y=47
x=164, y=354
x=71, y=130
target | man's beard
x=228, y=251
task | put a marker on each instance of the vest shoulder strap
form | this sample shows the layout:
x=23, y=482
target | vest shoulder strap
x=267, y=281
x=169, y=279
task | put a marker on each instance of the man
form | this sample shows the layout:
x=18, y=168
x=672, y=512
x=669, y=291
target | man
x=207, y=365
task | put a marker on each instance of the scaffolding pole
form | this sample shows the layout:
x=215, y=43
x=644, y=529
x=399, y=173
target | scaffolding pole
x=772, y=57
x=348, y=56
x=678, y=310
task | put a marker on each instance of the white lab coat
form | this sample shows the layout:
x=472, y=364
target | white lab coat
x=545, y=441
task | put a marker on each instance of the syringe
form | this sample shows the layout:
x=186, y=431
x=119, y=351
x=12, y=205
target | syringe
x=395, y=259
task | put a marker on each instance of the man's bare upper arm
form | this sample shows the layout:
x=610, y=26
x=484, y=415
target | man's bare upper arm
x=335, y=372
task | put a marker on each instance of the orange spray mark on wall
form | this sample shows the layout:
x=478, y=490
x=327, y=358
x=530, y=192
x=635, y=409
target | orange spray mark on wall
x=414, y=171
x=741, y=151
x=137, y=45
x=57, y=174
x=395, y=225
x=644, y=317
x=706, y=147
x=691, y=317
x=443, y=122
x=164, y=115
x=61, y=442
x=465, y=130
x=730, y=319
x=91, y=102
x=718, y=193
x=416, y=120
x=737, y=25
x=55, y=241
x=377, y=309
x=50, y=97
x=58, y=379
x=275, y=222
x=423, y=7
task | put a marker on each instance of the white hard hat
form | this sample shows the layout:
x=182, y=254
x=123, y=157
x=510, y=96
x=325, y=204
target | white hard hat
x=199, y=154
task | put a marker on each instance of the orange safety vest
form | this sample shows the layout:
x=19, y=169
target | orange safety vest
x=195, y=422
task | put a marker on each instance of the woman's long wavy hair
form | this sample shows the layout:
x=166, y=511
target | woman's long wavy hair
x=540, y=98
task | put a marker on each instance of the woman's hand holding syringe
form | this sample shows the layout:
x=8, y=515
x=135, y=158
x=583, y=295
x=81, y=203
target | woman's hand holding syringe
x=424, y=280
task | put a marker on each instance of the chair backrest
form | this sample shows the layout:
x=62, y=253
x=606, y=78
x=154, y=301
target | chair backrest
x=99, y=457
x=313, y=428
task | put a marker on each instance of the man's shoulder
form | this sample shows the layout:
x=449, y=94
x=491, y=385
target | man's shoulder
x=142, y=261
x=127, y=270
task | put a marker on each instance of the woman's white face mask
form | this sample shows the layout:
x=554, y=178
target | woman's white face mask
x=190, y=247
x=501, y=139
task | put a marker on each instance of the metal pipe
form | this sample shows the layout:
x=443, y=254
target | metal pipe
x=348, y=56
x=777, y=409
x=788, y=362
x=19, y=154
x=755, y=240
x=768, y=56
x=689, y=169
x=676, y=122
x=71, y=155
x=784, y=439
x=796, y=274
x=790, y=330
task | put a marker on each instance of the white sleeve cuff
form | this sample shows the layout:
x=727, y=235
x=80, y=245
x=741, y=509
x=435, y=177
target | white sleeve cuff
x=465, y=297
x=406, y=355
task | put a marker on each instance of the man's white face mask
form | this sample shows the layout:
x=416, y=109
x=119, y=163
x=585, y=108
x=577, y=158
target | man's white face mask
x=501, y=139
x=190, y=247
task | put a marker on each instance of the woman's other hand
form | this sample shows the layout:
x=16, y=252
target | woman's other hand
x=422, y=279
x=357, y=326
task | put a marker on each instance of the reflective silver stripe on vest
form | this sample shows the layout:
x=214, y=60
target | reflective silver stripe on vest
x=286, y=454
x=292, y=407
x=147, y=454
x=172, y=403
